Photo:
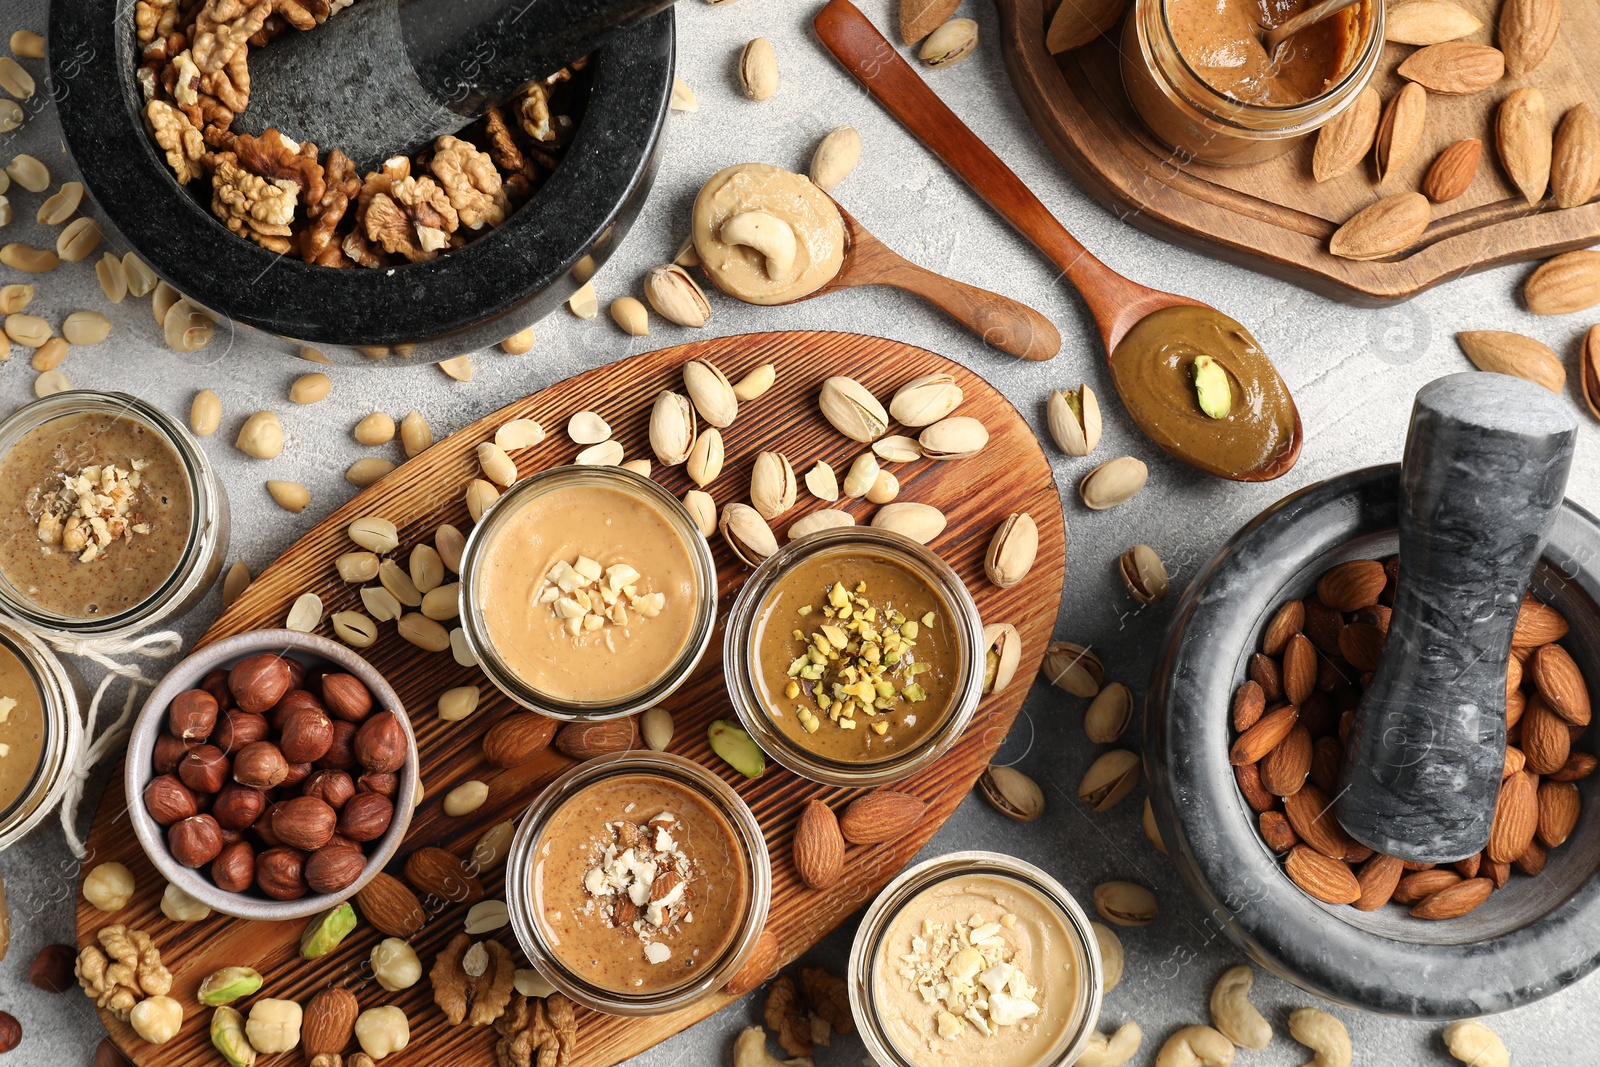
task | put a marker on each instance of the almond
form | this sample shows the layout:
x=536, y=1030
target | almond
x=1589, y=370
x=1537, y=624
x=1076, y=24
x=438, y=873
x=1377, y=878
x=1516, y=704
x=1311, y=814
x=1567, y=283
x=1352, y=585
x=329, y=1022
x=1299, y=669
x=761, y=965
x=1248, y=704
x=1516, y=817
x=1264, y=736
x=1419, y=885
x=1326, y=879
x=1546, y=742
x=1454, y=901
x=1276, y=831
x=1527, y=30
x=1255, y=794
x=586, y=740
x=391, y=907
x=918, y=18
x=1531, y=862
x=1288, y=620
x=1575, y=163
x=1560, y=683
x=1523, y=136
x=1452, y=172
x=1382, y=229
x=1559, y=807
x=1454, y=68
x=1425, y=22
x=1266, y=673
x=1514, y=762
x=1468, y=868
x=1512, y=353
x=1400, y=129
x=881, y=816
x=1345, y=141
x=1284, y=769
x=1579, y=765
x=518, y=738
x=1497, y=872
x=1323, y=625
x=1361, y=643
x=818, y=846
x=1327, y=761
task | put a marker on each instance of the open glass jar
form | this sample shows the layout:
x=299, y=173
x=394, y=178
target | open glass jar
x=41, y=734
x=1038, y=982
x=125, y=568
x=546, y=605
x=1242, y=123
x=854, y=657
x=583, y=900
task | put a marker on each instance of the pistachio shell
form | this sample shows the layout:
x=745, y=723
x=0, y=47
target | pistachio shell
x=772, y=488
x=676, y=296
x=711, y=392
x=821, y=482
x=950, y=43
x=835, y=157
x=1109, y=779
x=1109, y=714
x=1144, y=574
x=861, y=476
x=897, y=449
x=705, y=458
x=920, y=522
x=1074, y=418
x=703, y=510
x=671, y=427
x=1115, y=482
x=747, y=533
x=1012, y=793
x=958, y=437
x=924, y=401
x=852, y=410
x=1012, y=550
x=817, y=521
x=1073, y=668
x=1002, y=652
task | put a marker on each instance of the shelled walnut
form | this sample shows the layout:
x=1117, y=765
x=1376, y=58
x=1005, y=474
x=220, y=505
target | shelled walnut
x=537, y=1033
x=472, y=982
x=120, y=968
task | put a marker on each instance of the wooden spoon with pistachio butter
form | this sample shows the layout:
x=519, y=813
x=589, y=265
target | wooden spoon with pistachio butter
x=1192, y=378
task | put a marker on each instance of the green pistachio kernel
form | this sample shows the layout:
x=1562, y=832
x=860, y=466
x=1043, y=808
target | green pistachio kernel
x=227, y=1035
x=228, y=985
x=325, y=931
x=737, y=748
x=1211, y=387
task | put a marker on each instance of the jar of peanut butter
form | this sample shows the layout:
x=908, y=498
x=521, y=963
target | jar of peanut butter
x=1198, y=74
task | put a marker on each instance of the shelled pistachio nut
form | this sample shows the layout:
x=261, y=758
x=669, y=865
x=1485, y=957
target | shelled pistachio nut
x=705, y=458
x=1012, y=793
x=1012, y=550
x=772, y=486
x=852, y=410
x=822, y=483
x=676, y=296
x=897, y=449
x=1002, y=647
x=1073, y=668
x=711, y=393
x=703, y=510
x=1108, y=714
x=861, y=476
x=747, y=533
x=672, y=427
x=1144, y=574
x=817, y=521
x=1074, y=418
x=958, y=437
x=1114, y=482
x=920, y=522
x=924, y=401
x=1109, y=779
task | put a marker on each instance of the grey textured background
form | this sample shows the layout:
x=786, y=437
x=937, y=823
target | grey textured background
x=1353, y=371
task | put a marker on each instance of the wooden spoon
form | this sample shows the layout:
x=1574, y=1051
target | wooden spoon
x=1116, y=303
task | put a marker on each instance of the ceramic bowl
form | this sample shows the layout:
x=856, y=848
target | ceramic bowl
x=313, y=651
x=1527, y=941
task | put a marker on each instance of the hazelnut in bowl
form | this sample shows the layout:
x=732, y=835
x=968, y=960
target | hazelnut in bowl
x=270, y=775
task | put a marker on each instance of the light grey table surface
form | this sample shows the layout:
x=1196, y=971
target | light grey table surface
x=1354, y=373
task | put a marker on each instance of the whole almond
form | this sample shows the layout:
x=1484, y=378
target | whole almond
x=1537, y=624
x=1311, y=814
x=1378, y=878
x=1326, y=879
x=818, y=846
x=1575, y=162
x=1516, y=818
x=1389, y=226
x=518, y=738
x=1560, y=804
x=1352, y=585
x=1327, y=761
x=586, y=740
x=329, y=1022
x=1546, y=742
x=438, y=873
x=1455, y=68
x=883, y=815
x=761, y=965
x=1255, y=794
x=1287, y=621
x=1567, y=283
x=1452, y=172
x=1285, y=768
x=1076, y=24
x=1454, y=901
x=1425, y=22
x=390, y=906
x=1579, y=765
x=1526, y=143
x=1400, y=129
x=1527, y=30
x=1512, y=353
x=1276, y=831
x=1266, y=673
x=1345, y=141
x=1264, y=736
x=1299, y=669
x=918, y=18
x=1589, y=370
x=1249, y=702
x=1419, y=885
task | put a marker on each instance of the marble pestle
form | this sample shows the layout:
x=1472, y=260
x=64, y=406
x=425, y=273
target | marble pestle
x=1484, y=472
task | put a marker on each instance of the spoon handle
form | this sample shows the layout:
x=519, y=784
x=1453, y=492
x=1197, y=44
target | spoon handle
x=1277, y=35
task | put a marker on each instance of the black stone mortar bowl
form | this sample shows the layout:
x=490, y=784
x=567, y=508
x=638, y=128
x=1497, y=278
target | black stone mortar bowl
x=1528, y=940
x=469, y=299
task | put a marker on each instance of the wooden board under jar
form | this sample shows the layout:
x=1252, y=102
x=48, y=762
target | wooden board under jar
x=1010, y=474
x=1272, y=216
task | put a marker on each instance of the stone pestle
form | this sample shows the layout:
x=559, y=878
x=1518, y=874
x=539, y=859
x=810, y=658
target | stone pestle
x=1484, y=472
x=388, y=76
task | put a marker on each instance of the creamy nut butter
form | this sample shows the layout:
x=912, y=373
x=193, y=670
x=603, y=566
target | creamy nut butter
x=816, y=233
x=22, y=729
x=1219, y=40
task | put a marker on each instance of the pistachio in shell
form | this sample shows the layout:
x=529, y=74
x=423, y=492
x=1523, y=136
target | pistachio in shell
x=747, y=533
x=1108, y=714
x=772, y=486
x=1144, y=574
x=671, y=427
x=924, y=401
x=1012, y=550
x=920, y=522
x=957, y=437
x=852, y=409
x=702, y=509
x=711, y=392
x=1012, y=793
x=705, y=458
x=1074, y=418
x=1002, y=652
x=1114, y=482
x=1109, y=779
x=817, y=521
x=1152, y=832
x=1074, y=668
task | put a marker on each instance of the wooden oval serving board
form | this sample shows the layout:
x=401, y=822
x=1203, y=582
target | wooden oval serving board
x=1011, y=474
x=1272, y=216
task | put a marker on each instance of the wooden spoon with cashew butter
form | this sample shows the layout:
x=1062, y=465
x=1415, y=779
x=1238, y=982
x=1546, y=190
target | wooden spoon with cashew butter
x=1256, y=437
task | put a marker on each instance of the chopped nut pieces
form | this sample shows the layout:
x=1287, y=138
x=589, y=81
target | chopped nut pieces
x=588, y=599
x=640, y=880
x=966, y=969
x=91, y=509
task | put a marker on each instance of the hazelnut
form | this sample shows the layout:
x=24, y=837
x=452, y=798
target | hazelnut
x=260, y=764
x=216, y=683
x=304, y=734
x=341, y=754
x=346, y=698
x=10, y=1032
x=298, y=772
x=237, y=807
x=280, y=873
x=169, y=752
x=259, y=681
x=230, y=836
x=236, y=729
x=204, y=769
x=263, y=829
x=193, y=715
x=381, y=743
x=387, y=784
x=234, y=869
x=333, y=788
x=195, y=841
x=297, y=672
x=303, y=822
x=366, y=816
x=52, y=968
x=335, y=867
x=293, y=700
x=168, y=800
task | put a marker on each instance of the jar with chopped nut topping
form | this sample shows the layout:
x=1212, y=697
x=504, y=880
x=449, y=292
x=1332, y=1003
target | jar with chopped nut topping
x=114, y=519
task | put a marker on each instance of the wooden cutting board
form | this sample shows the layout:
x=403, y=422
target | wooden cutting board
x=1011, y=474
x=1272, y=216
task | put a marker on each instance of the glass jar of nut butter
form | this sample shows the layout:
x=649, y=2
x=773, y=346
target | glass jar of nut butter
x=1198, y=74
x=113, y=519
x=41, y=737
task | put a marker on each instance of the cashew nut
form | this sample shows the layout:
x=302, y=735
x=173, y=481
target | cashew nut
x=1476, y=1045
x=1233, y=1013
x=1196, y=1046
x=750, y=1050
x=1322, y=1034
x=767, y=234
x=1113, y=1051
